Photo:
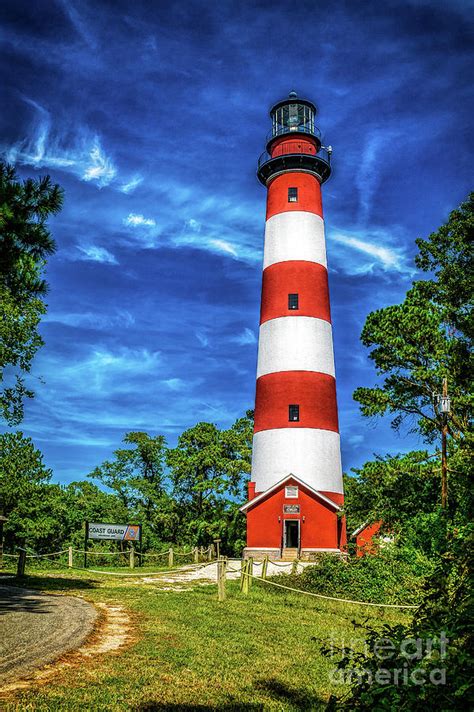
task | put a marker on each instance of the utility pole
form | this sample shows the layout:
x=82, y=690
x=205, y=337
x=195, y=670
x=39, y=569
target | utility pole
x=444, y=453
x=445, y=402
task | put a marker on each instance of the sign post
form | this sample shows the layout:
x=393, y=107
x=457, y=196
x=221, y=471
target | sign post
x=140, y=558
x=86, y=538
x=113, y=532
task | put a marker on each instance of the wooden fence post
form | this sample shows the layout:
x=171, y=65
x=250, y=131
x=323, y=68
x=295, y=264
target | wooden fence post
x=170, y=557
x=132, y=557
x=221, y=569
x=196, y=555
x=243, y=568
x=245, y=578
x=211, y=552
x=20, y=569
x=250, y=571
x=69, y=557
x=264, y=568
x=294, y=568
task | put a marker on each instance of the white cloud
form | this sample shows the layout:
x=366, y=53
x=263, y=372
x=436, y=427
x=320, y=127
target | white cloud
x=355, y=439
x=93, y=253
x=367, y=176
x=136, y=220
x=223, y=246
x=245, y=338
x=92, y=320
x=367, y=251
x=194, y=225
x=79, y=24
x=101, y=168
x=103, y=371
x=82, y=154
x=175, y=384
x=130, y=186
x=389, y=258
x=202, y=338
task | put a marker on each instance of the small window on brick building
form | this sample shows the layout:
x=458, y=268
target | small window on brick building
x=293, y=413
x=293, y=301
x=292, y=195
x=291, y=492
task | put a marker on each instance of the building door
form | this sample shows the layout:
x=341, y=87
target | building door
x=292, y=534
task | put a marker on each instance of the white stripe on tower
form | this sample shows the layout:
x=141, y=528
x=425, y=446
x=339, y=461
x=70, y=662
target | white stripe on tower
x=299, y=451
x=295, y=344
x=281, y=244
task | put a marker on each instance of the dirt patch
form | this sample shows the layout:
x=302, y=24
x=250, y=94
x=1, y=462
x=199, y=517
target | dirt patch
x=113, y=631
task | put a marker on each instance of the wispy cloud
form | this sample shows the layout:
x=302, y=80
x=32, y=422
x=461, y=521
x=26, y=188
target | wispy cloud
x=92, y=320
x=135, y=220
x=101, y=168
x=371, y=251
x=130, y=186
x=104, y=371
x=80, y=25
x=175, y=384
x=94, y=253
x=247, y=337
x=82, y=154
x=223, y=246
x=193, y=224
x=367, y=176
x=202, y=337
x=208, y=237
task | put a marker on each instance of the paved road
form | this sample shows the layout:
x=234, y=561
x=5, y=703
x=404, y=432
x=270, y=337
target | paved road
x=36, y=628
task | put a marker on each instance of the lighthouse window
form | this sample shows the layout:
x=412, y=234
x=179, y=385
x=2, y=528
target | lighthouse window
x=293, y=301
x=292, y=195
x=294, y=413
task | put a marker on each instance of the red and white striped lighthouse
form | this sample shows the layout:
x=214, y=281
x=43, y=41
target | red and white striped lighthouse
x=295, y=492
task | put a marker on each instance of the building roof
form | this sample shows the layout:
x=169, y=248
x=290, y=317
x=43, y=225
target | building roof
x=274, y=487
x=359, y=529
x=363, y=526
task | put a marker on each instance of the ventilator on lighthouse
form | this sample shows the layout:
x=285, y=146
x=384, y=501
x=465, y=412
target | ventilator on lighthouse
x=295, y=491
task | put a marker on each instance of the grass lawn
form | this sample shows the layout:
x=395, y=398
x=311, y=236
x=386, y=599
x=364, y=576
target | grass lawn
x=255, y=652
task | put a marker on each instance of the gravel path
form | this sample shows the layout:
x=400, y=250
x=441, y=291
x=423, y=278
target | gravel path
x=208, y=572
x=37, y=628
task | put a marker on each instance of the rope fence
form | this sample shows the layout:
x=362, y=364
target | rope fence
x=127, y=557
x=247, y=577
x=245, y=571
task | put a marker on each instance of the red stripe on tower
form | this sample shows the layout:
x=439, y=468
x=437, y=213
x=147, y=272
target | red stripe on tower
x=296, y=448
x=295, y=288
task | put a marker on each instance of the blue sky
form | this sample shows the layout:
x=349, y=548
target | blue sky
x=151, y=116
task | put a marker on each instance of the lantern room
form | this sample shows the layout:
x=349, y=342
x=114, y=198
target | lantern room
x=292, y=115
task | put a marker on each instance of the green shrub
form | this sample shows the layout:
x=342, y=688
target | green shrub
x=391, y=576
x=434, y=653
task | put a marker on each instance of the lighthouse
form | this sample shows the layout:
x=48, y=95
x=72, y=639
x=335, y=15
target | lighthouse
x=295, y=493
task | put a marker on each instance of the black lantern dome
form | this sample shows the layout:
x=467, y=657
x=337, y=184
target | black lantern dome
x=293, y=115
x=294, y=118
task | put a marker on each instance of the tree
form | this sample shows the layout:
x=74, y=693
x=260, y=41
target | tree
x=427, y=337
x=25, y=244
x=23, y=479
x=137, y=477
x=393, y=489
x=208, y=469
x=448, y=254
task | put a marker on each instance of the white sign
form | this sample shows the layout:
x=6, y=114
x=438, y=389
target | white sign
x=117, y=532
